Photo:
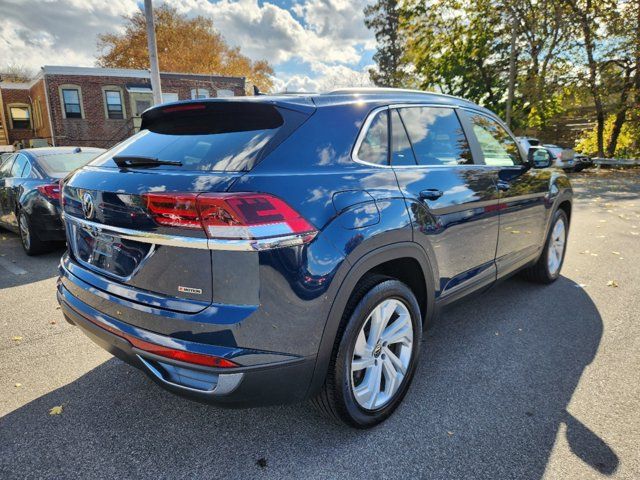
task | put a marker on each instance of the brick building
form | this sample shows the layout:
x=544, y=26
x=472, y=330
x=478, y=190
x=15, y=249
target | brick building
x=93, y=106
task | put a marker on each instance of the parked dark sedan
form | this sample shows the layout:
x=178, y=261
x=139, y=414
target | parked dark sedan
x=266, y=250
x=30, y=193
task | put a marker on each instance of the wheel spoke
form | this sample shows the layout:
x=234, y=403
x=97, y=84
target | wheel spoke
x=395, y=361
x=361, y=349
x=398, y=330
x=369, y=389
x=362, y=363
x=392, y=376
x=379, y=318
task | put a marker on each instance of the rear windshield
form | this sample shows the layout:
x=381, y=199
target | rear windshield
x=220, y=137
x=57, y=165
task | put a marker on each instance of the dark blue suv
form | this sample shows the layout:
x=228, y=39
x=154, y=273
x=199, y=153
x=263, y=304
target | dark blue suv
x=264, y=250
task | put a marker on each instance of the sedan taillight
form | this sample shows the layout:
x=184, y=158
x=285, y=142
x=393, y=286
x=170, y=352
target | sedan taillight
x=50, y=191
x=229, y=216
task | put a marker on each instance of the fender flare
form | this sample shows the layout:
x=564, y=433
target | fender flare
x=349, y=281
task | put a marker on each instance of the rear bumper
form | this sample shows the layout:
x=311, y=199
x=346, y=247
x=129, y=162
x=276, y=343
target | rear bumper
x=243, y=386
x=48, y=227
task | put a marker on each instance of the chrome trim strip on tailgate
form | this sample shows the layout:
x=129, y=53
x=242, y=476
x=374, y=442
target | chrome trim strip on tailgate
x=139, y=236
x=190, y=242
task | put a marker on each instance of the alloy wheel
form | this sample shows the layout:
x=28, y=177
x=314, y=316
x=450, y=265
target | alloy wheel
x=382, y=354
x=24, y=232
x=556, y=246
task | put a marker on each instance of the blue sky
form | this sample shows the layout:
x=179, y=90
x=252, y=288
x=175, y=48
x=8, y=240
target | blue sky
x=312, y=44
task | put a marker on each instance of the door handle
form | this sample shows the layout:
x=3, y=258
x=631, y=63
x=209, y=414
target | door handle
x=503, y=186
x=430, y=194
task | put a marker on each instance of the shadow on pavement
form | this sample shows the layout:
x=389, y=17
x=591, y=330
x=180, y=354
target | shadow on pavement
x=497, y=375
x=17, y=268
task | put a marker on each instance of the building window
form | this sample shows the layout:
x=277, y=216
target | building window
x=113, y=103
x=224, y=93
x=197, y=93
x=71, y=101
x=169, y=97
x=20, y=117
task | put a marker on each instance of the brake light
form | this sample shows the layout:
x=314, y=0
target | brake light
x=171, y=210
x=51, y=191
x=230, y=216
x=184, y=108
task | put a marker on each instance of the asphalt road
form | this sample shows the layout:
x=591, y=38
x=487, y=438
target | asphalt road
x=524, y=381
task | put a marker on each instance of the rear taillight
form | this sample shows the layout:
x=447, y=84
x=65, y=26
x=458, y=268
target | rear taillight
x=230, y=216
x=50, y=191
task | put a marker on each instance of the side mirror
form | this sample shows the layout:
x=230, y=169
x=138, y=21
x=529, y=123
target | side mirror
x=539, y=157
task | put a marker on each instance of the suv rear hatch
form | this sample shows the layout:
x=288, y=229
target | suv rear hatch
x=131, y=216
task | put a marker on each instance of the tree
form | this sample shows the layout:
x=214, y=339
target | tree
x=186, y=45
x=459, y=48
x=590, y=17
x=14, y=73
x=383, y=17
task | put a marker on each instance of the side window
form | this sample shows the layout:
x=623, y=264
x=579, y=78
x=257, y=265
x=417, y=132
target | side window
x=498, y=148
x=18, y=166
x=436, y=135
x=26, y=172
x=401, y=151
x=375, y=145
x=5, y=168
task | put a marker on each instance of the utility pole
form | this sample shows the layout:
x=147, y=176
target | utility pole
x=512, y=74
x=153, y=53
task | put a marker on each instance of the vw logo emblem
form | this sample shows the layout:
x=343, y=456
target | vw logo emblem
x=88, y=208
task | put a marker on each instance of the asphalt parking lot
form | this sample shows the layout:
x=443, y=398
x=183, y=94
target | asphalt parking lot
x=524, y=381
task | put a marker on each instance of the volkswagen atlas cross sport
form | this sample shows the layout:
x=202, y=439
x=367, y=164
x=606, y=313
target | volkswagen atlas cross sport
x=264, y=250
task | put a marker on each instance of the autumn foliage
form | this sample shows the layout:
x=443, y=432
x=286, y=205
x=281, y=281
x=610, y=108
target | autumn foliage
x=185, y=45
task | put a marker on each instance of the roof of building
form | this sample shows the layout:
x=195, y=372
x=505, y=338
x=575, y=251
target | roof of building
x=123, y=72
x=109, y=72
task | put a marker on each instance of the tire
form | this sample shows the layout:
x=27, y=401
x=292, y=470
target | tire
x=31, y=244
x=337, y=398
x=545, y=270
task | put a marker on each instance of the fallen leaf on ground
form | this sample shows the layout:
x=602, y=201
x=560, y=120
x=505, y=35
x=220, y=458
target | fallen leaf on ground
x=18, y=385
x=57, y=410
x=612, y=283
x=17, y=338
x=616, y=253
x=450, y=433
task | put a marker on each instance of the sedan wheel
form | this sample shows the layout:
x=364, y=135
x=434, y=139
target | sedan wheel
x=25, y=235
x=382, y=354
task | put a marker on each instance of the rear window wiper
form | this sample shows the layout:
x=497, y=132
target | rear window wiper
x=140, y=161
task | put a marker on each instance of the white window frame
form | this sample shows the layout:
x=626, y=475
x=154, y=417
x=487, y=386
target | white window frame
x=197, y=93
x=70, y=86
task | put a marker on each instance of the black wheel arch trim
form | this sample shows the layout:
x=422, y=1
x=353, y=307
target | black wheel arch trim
x=348, y=283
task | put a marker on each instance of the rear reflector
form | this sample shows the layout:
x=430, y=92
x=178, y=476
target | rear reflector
x=51, y=191
x=229, y=216
x=172, y=353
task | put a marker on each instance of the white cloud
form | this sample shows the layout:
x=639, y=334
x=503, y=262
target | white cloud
x=326, y=37
x=56, y=32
